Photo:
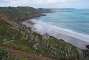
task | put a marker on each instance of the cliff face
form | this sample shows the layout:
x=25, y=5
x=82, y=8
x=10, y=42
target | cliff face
x=21, y=42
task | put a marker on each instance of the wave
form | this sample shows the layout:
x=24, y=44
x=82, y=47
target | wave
x=77, y=39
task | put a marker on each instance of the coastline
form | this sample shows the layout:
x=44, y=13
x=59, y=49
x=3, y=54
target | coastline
x=18, y=37
x=77, y=39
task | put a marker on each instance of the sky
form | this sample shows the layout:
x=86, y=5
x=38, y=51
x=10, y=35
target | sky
x=47, y=3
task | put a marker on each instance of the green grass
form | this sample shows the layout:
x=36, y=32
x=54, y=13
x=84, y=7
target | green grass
x=36, y=43
x=19, y=13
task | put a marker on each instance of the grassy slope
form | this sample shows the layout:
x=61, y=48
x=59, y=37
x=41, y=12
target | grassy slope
x=15, y=42
x=19, y=13
x=51, y=47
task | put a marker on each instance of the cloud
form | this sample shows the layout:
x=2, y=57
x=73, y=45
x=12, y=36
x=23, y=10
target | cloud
x=28, y=2
x=45, y=3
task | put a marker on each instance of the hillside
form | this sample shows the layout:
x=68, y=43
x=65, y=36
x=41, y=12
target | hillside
x=15, y=40
x=19, y=13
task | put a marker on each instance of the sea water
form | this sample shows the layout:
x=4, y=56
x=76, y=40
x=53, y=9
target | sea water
x=70, y=25
x=75, y=19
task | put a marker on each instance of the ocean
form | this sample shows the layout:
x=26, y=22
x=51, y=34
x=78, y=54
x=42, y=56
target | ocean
x=75, y=19
x=71, y=25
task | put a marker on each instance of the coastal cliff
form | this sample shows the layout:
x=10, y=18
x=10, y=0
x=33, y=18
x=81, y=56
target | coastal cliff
x=20, y=42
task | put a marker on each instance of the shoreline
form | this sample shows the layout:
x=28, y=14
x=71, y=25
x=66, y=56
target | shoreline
x=77, y=39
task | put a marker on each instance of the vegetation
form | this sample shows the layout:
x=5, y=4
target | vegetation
x=19, y=13
x=3, y=54
x=35, y=43
x=21, y=42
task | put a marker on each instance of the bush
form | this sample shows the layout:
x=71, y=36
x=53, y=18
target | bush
x=3, y=54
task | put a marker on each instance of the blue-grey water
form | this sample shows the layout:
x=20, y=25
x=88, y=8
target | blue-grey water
x=70, y=25
x=76, y=19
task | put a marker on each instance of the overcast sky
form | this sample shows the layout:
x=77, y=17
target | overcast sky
x=47, y=3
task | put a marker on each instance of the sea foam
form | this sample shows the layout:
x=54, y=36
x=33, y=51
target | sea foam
x=77, y=39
